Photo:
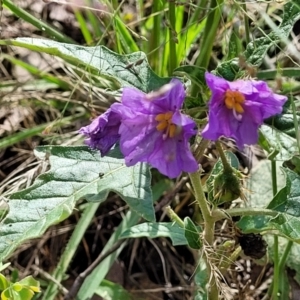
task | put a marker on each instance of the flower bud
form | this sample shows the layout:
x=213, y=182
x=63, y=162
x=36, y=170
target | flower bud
x=227, y=186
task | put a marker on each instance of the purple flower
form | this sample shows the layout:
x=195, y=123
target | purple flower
x=102, y=133
x=237, y=109
x=153, y=129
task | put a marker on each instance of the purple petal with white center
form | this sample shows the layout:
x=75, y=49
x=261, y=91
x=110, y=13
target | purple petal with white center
x=260, y=103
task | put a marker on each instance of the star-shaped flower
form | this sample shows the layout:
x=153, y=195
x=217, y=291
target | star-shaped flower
x=237, y=109
x=153, y=129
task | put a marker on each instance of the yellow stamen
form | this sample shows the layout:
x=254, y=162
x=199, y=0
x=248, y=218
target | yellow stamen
x=234, y=100
x=172, y=130
x=160, y=117
x=162, y=125
x=165, y=124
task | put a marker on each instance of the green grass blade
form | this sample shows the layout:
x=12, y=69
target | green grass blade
x=128, y=43
x=30, y=132
x=93, y=281
x=71, y=248
x=50, y=31
x=96, y=25
x=37, y=72
x=155, y=22
x=83, y=27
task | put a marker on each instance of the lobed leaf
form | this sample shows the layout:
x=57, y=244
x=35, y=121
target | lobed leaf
x=127, y=70
x=280, y=145
x=287, y=203
x=76, y=172
x=256, y=50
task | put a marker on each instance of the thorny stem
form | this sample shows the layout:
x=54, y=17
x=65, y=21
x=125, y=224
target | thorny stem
x=219, y=214
x=198, y=153
x=225, y=162
x=208, y=233
x=174, y=217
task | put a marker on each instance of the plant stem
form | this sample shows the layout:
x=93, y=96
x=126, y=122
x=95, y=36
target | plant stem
x=172, y=38
x=276, y=274
x=276, y=269
x=218, y=214
x=49, y=30
x=274, y=177
x=199, y=12
x=225, y=162
x=198, y=153
x=174, y=217
x=284, y=256
x=208, y=233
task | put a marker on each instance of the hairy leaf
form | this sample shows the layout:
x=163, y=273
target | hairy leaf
x=279, y=145
x=192, y=234
x=76, y=172
x=127, y=70
x=256, y=50
x=155, y=230
x=287, y=205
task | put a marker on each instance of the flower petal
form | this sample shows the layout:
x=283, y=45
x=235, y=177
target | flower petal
x=260, y=103
x=103, y=132
x=141, y=141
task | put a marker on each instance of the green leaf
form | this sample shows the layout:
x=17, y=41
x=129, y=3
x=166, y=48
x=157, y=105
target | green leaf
x=258, y=184
x=235, y=45
x=4, y=283
x=217, y=169
x=155, y=230
x=92, y=282
x=228, y=69
x=194, y=73
x=109, y=290
x=126, y=70
x=74, y=174
x=287, y=205
x=30, y=283
x=256, y=50
x=275, y=141
x=192, y=234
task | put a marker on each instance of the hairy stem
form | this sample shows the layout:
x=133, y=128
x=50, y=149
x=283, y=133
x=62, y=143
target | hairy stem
x=208, y=233
x=225, y=162
x=218, y=214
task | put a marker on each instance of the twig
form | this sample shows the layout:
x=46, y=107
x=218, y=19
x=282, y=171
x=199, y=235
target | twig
x=81, y=277
x=170, y=195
